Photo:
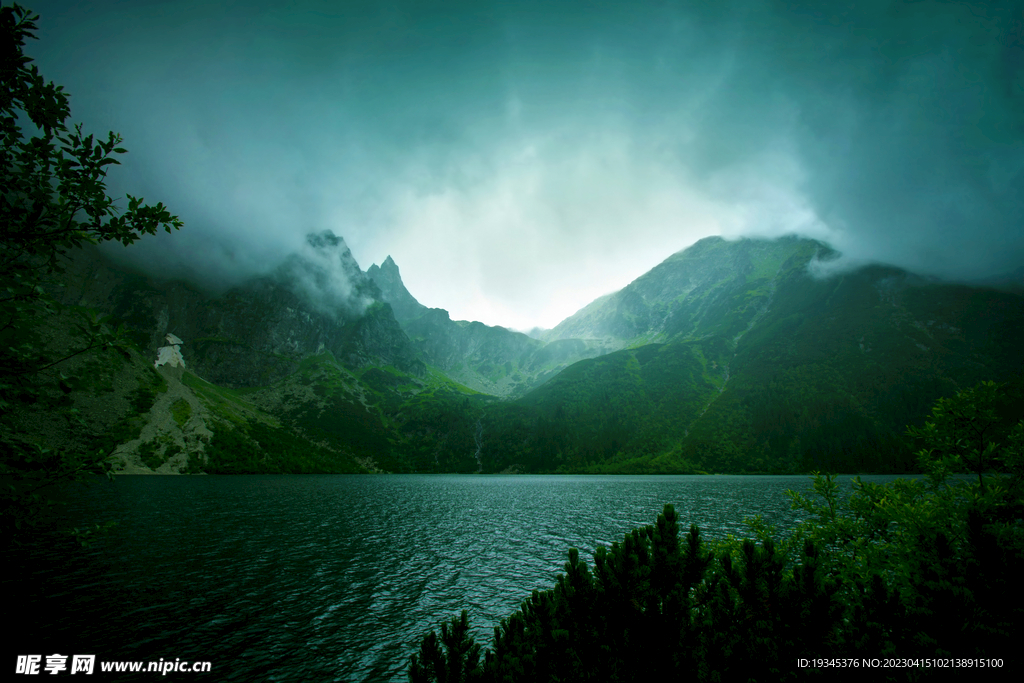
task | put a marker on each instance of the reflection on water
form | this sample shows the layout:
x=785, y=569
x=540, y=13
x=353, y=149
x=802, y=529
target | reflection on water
x=333, y=577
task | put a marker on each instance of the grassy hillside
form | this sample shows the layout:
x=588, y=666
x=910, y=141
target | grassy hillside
x=826, y=374
x=756, y=367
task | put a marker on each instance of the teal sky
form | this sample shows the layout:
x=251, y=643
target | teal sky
x=519, y=159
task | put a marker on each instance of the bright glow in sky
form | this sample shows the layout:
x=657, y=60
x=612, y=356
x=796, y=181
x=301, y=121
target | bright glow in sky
x=517, y=160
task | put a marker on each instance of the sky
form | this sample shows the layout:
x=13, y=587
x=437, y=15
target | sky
x=520, y=159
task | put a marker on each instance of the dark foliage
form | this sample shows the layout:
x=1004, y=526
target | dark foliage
x=909, y=570
x=258, y=448
x=52, y=199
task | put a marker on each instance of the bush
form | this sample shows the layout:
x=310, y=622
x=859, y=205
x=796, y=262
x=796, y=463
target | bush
x=909, y=569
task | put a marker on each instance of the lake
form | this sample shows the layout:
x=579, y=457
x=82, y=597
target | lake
x=333, y=577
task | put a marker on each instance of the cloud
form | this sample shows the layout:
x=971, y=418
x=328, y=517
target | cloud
x=519, y=160
x=324, y=273
x=555, y=220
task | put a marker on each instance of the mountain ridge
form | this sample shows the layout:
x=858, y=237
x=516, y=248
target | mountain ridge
x=659, y=303
x=729, y=356
x=389, y=280
x=486, y=358
x=756, y=365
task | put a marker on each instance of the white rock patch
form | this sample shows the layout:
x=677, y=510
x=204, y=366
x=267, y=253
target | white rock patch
x=170, y=354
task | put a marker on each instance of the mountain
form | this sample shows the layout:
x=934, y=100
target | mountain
x=249, y=354
x=316, y=301
x=714, y=287
x=730, y=356
x=389, y=280
x=735, y=357
x=491, y=360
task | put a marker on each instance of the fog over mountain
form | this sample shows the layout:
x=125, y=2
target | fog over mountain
x=520, y=159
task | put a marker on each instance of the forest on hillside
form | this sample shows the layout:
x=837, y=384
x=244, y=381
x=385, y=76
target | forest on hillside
x=900, y=581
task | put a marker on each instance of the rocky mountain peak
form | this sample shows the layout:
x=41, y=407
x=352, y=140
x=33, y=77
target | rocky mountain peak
x=328, y=251
x=325, y=275
x=389, y=280
x=326, y=240
x=685, y=293
x=386, y=273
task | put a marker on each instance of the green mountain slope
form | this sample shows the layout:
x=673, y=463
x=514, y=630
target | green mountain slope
x=715, y=287
x=279, y=376
x=492, y=360
x=260, y=331
x=762, y=367
x=727, y=357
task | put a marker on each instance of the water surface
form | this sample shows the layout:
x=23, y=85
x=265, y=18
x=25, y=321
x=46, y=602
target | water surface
x=334, y=577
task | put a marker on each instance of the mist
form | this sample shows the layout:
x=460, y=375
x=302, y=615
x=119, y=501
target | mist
x=323, y=274
x=517, y=161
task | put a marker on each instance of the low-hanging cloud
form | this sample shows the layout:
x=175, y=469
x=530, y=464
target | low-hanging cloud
x=519, y=160
x=556, y=220
x=323, y=274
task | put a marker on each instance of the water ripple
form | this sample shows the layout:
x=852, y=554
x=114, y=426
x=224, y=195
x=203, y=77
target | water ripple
x=333, y=577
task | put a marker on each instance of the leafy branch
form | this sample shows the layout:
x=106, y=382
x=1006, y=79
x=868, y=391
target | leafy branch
x=53, y=199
